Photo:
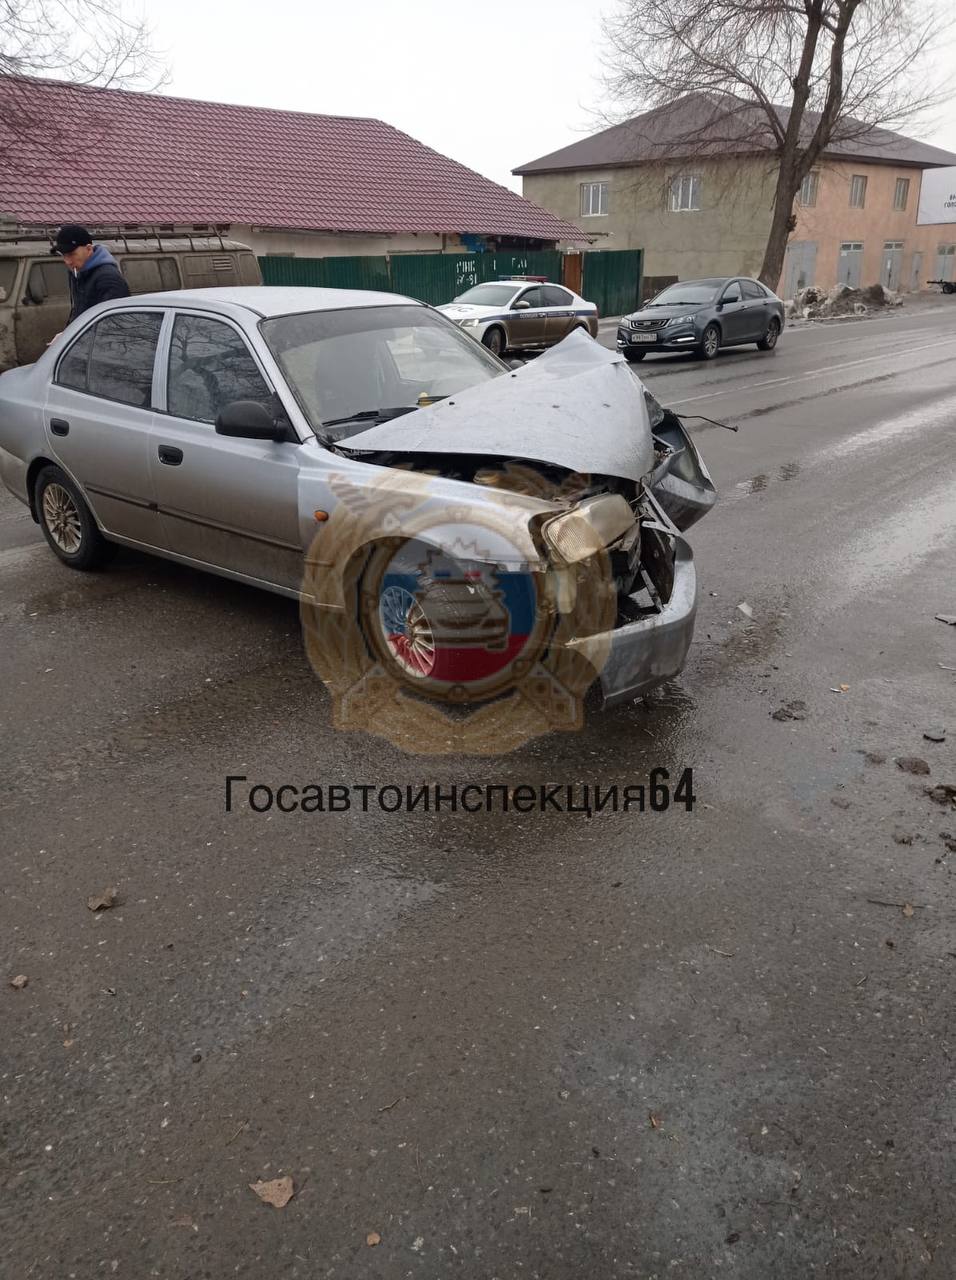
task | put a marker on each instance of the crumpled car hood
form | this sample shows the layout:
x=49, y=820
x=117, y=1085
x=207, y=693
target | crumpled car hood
x=576, y=406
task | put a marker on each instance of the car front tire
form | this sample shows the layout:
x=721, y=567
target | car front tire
x=634, y=357
x=67, y=521
x=769, y=340
x=710, y=342
x=494, y=340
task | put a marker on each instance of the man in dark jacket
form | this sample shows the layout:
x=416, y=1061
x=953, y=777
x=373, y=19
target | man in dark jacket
x=94, y=275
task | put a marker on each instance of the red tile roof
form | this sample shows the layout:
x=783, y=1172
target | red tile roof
x=147, y=158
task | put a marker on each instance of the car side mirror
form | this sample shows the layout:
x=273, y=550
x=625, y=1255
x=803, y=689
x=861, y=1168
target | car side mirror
x=521, y=306
x=515, y=364
x=249, y=420
x=36, y=290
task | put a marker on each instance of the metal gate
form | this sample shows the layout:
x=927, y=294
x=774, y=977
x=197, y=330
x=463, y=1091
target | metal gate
x=800, y=266
x=428, y=277
x=851, y=263
x=916, y=272
x=892, y=264
x=945, y=255
x=612, y=280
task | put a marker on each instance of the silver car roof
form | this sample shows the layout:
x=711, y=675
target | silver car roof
x=272, y=300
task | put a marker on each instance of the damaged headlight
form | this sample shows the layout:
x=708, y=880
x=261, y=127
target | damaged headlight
x=655, y=410
x=588, y=528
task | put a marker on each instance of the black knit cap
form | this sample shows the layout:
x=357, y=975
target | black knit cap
x=70, y=237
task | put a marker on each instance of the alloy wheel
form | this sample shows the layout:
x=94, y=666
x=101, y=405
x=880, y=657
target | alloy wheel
x=62, y=518
x=407, y=632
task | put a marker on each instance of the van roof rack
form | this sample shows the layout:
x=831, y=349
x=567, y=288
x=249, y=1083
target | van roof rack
x=12, y=231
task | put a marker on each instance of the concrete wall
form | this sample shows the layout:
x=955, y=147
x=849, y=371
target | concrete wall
x=832, y=222
x=726, y=236
x=306, y=244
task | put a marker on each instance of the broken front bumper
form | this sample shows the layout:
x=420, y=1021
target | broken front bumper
x=645, y=653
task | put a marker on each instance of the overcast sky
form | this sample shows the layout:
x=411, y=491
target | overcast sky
x=492, y=84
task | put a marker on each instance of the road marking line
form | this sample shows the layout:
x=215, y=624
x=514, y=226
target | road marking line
x=739, y=389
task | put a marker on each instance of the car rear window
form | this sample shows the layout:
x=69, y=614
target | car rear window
x=121, y=362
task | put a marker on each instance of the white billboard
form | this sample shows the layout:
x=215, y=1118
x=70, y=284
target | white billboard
x=937, y=196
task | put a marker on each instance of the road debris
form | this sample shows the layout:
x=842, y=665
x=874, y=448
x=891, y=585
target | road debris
x=745, y=609
x=842, y=688
x=372, y=1239
x=19, y=982
x=873, y=757
x=942, y=793
x=912, y=764
x=901, y=837
x=277, y=1191
x=936, y=734
x=654, y=1119
x=103, y=901
x=793, y=710
x=949, y=618
x=717, y=952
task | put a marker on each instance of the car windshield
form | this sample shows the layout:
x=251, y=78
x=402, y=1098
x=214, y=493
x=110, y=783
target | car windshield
x=488, y=295
x=347, y=368
x=691, y=293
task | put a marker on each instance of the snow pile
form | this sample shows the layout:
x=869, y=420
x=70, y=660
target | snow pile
x=820, y=304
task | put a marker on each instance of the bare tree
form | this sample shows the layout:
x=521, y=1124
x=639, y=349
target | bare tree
x=84, y=42
x=785, y=79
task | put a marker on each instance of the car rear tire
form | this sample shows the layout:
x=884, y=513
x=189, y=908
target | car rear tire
x=68, y=523
x=769, y=340
x=710, y=342
x=494, y=340
x=634, y=357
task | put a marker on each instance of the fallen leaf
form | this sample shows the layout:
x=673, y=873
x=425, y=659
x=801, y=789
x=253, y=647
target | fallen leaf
x=907, y=910
x=277, y=1192
x=372, y=1239
x=943, y=793
x=19, y=982
x=844, y=688
x=912, y=764
x=654, y=1119
x=935, y=735
x=103, y=901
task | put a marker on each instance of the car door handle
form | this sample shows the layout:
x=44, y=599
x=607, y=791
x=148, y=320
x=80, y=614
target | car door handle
x=170, y=455
x=59, y=426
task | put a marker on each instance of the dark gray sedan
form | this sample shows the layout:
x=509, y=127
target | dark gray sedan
x=702, y=316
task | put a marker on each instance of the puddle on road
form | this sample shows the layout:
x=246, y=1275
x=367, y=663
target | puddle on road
x=899, y=543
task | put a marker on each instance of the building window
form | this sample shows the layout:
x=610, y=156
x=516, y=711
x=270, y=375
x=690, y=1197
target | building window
x=593, y=199
x=808, y=190
x=902, y=194
x=857, y=191
x=685, y=193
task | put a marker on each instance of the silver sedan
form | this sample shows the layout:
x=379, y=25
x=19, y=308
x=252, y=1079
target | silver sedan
x=326, y=442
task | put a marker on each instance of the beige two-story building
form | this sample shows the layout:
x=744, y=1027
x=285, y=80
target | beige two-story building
x=692, y=185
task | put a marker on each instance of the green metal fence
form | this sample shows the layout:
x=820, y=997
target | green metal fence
x=429, y=277
x=612, y=279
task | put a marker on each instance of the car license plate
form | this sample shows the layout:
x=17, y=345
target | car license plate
x=643, y=337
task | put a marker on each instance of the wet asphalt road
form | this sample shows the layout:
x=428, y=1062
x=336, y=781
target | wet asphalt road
x=675, y=1044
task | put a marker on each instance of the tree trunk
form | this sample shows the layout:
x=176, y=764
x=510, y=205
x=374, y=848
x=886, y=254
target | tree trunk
x=776, y=251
